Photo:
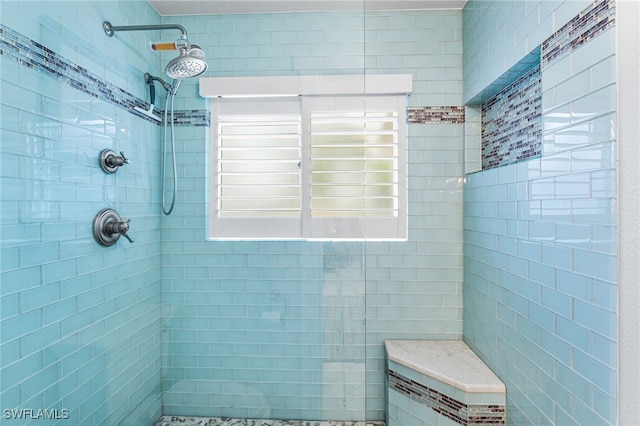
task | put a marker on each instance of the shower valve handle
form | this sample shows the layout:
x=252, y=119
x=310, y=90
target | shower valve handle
x=110, y=162
x=126, y=229
x=117, y=160
x=121, y=228
x=108, y=226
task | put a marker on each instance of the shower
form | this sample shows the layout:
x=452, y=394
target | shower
x=188, y=64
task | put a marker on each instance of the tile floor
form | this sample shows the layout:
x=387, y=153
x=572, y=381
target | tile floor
x=224, y=421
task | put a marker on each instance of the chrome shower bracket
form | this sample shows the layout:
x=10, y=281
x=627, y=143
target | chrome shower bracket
x=110, y=162
x=108, y=227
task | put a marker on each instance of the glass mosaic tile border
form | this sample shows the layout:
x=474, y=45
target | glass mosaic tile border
x=225, y=421
x=459, y=412
x=512, y=122
x=30, y=53
x=583, y=27
x=437, y=114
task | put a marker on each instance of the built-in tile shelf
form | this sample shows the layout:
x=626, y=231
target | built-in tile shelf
x=441, y=383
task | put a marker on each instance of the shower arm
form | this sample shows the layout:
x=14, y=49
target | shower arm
x=110, y=29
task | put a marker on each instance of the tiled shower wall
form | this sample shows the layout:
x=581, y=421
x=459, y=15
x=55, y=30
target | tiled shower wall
x=541, y=234
x=277, y=328
x=80, y=322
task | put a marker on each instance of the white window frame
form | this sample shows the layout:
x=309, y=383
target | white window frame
x=275, y=95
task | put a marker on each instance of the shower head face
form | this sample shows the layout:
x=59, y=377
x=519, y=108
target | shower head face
x=189, y=64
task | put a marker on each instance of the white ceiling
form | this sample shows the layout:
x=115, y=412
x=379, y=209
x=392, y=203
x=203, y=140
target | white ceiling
x=207, y=7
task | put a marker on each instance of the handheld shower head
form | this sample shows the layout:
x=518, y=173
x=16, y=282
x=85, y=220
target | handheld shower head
x=189, y=64
x=149, y=79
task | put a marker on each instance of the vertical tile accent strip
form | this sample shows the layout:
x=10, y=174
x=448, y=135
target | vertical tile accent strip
x=511, y=122
x=34, y=55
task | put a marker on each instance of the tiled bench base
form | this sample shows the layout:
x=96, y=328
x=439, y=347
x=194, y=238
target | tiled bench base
x=441, y=383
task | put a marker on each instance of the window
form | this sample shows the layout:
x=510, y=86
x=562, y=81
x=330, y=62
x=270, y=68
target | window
x=308, y=167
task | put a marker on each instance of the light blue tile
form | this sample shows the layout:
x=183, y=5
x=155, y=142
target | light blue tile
x=572, y=88
x=596, y=103
x=603, y=184
x=555, y=73
x=529, y=250
x=23, y=369
x=556, y=118
x=10, y=305
x=18, y=326
x=605, y=350
x=598, y=319
x=542, y=188
x=597, y=265
x=574, y=285
x=558, y=348
x=560, y=257
x=573, y=235
x=558, y=303
x=10, y=352
x=594, y=51
x=600, y=376
x=577, y=185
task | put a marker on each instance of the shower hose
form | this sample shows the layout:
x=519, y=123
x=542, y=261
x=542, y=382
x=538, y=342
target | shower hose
x=169, y=100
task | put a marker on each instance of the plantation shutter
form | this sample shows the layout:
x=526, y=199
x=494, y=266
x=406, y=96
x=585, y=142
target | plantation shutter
x=257, y=177
x=356, y=175
x=258, y=166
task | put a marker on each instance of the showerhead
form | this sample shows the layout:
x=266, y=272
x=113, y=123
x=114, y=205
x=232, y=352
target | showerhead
x=189, y=64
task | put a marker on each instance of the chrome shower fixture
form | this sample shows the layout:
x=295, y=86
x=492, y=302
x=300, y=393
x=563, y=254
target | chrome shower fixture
x=110, y=29
x=149, y=79
x=191, y=61
x=189, y=64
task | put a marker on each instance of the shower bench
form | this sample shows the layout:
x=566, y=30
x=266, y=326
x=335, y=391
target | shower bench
x=441, y=383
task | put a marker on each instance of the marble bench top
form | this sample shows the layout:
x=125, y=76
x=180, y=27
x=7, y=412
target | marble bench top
x=451, y=362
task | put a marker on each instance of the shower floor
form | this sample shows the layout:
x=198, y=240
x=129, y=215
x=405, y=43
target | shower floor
x=225, y=421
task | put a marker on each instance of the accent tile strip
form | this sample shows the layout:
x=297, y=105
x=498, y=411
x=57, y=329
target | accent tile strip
x=582, y=28
x=512, y=122
x=30, y=53
x=441, y=114
x=459, y=412
x=194, y=117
